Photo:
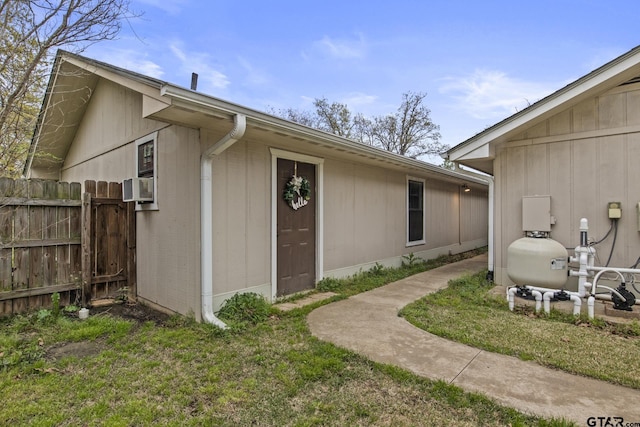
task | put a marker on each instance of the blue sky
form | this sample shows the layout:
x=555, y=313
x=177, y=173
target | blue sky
x=478, y=62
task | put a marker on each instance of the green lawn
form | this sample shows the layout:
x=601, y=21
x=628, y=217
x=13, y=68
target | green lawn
x=266, y=371
x=468, y=312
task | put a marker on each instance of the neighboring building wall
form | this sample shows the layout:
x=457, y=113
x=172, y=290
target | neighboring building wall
x=583, y=158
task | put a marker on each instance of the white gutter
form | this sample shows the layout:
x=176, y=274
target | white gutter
x=277, y=124
x=206, y=217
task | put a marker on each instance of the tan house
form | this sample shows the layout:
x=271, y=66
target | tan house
x=235, y=200
x=576, y=150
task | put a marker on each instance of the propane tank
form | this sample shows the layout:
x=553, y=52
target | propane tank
x=538, y=262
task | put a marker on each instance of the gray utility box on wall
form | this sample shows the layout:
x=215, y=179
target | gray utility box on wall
x=536, y=213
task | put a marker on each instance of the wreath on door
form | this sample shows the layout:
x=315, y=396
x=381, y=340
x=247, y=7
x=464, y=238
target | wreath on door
x=297, y=191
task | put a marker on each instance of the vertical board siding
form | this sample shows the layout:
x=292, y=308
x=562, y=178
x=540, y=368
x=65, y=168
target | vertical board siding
x=168, y=262
x=474, y=215
x=581, y=171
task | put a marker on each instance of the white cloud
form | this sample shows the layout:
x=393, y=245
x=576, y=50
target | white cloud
x=132, y=60
x=359, y=100
x=343, y=49
x=198, y=62
x=490, y=94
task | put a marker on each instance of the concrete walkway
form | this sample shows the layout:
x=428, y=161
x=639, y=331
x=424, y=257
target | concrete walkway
x=368, y=324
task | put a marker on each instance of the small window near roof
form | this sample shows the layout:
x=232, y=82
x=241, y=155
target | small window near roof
x=145, y=159
x=147, y=167
x=415, y=211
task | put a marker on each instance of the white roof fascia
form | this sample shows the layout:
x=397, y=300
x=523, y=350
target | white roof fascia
x=268, y=121
x=547, y=105
x=143, y=84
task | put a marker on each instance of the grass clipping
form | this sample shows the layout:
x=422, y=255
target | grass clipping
x=468, y=313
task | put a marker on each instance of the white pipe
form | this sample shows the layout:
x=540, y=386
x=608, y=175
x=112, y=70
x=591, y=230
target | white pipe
x=607, y=297
x=595, y=282
x=612, y=291
x=511, y=297
x=511, y=292
x=591, y=312
x=615, y=269
x=543, y=290
x=206, y=217
x=547, y=301
x=583, y=254
x=538, y=297
x=577, y=304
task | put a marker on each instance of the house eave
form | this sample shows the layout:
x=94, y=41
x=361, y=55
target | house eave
x=610, y=75
x=215, y=107
x=61, y=112
x=175, y=104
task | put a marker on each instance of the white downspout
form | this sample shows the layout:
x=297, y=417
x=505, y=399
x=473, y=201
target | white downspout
x=206, y=217
x=491, y=227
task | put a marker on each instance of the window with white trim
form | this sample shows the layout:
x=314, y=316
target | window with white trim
x=147, y=167
x=415, y=211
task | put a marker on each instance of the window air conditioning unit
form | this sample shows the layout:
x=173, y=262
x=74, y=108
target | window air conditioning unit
x=137, y=190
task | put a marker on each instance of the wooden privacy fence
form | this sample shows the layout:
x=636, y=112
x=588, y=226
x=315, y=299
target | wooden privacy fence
x=55, y=239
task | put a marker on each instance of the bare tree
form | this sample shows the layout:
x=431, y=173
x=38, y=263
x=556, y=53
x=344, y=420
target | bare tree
x=334, y=117
x=331, y=117
x=409, y=131
x=30, y=31
x=299, y=116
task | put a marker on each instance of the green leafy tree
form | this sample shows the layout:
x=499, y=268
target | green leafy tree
x=30, y=31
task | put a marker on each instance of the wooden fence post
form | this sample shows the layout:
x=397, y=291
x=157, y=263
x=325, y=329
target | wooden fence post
x=87, y=267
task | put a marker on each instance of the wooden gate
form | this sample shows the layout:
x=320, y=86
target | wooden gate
x=53, y=239
x=108, y=243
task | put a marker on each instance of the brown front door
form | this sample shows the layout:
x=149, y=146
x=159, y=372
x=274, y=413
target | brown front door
x=296, y=230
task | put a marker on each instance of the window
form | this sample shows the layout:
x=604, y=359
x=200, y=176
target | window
x=415, y=211
x=146, y=164
x=147, y=167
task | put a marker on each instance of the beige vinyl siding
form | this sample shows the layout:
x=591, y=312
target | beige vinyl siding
x=474, y=216
x=112, y=120
x=364, y=215
x=583, y=158
x=168, y=240
x=241, y=217
x=441, y=211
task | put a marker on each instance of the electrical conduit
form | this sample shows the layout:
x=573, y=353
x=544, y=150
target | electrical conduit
x=206, y=217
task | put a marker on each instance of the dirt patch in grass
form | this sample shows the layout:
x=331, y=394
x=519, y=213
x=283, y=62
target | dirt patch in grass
x=138, y=313
x=74, y=349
